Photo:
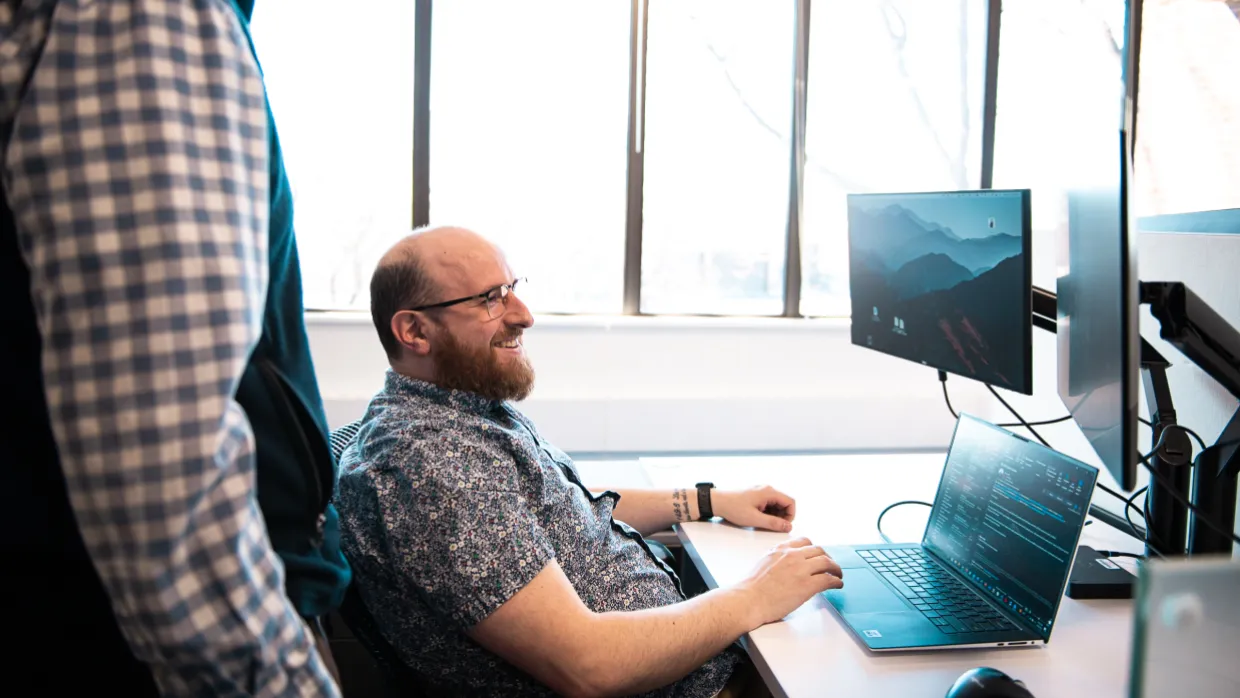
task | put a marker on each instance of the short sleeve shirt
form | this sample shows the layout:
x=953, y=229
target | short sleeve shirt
x=451, y=503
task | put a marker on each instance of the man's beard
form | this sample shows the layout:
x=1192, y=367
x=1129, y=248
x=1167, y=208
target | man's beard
x=479, y=371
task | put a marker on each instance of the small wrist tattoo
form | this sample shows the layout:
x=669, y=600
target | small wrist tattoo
x=680, y=504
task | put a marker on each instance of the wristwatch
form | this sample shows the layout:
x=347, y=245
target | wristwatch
x=705, y=513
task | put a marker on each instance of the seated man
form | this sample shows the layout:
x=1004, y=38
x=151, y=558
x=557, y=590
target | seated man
x=482, y=557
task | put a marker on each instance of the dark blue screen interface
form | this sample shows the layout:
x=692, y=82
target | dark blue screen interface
x=1008, y=516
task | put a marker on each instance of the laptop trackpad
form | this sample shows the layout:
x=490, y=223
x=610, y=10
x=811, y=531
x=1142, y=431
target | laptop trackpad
x=864, y=592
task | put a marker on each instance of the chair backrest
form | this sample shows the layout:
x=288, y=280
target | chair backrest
x=342, y=437
x=400, y=680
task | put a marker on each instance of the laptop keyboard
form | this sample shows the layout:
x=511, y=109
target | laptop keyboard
x=946, y=602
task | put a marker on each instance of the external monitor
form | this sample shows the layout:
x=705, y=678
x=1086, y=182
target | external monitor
x=1098, y=296
x=943, y=279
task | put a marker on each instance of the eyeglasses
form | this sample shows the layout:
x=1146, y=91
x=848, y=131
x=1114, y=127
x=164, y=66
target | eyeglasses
x=496, y=299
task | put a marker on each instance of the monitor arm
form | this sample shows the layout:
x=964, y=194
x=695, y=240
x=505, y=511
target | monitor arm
x=1167, y=518
x=1044, y=309
x=1196, y=330
x=1204, y=337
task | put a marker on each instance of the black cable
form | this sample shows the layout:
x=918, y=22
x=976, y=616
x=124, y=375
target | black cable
x=883, y=513
x=1166, y=485
x=1016, y=414
x=1129, y=506
x=1099, y=485
x=1152, y=541
x=948, y=400
x=1129, y=503
x=955, y=415
x=1200, y=441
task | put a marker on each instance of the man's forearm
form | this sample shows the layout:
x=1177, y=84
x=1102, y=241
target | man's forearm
x=650, y=511
x=639, y=651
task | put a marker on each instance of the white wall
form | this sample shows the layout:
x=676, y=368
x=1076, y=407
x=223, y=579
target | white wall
x=624, y=385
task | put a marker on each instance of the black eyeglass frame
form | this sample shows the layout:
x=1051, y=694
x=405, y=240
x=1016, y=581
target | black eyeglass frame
x=503, y=290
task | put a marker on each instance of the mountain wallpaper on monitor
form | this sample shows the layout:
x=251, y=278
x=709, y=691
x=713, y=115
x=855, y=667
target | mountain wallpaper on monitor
x=943, y=279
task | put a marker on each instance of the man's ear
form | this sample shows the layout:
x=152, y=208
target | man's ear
x=409, y=327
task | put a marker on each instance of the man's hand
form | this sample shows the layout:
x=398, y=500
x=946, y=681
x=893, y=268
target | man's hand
x=760, y=507
x=787, y=577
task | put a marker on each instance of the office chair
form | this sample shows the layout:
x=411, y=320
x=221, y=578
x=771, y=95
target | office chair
x=342, y=437
x=397, y=678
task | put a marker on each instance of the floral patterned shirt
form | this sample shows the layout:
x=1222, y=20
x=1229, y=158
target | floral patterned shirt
x=450, y=503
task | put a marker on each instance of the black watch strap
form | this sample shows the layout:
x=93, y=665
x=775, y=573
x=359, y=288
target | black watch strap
x=705, y=512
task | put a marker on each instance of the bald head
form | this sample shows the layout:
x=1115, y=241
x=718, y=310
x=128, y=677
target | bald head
x=428, y=266
x=445, y=256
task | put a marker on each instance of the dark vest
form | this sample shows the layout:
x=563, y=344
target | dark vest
x=54, y=606
x=296, y=472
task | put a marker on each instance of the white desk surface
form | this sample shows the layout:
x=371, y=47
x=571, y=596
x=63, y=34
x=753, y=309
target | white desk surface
x=811, y=652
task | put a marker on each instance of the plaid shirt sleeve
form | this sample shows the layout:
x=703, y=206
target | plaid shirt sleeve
x=135, y=163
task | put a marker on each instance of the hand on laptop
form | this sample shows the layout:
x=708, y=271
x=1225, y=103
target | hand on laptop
x=760, y=507
x=788, y=576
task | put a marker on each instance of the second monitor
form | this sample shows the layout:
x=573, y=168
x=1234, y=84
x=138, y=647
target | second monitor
x=944, y=279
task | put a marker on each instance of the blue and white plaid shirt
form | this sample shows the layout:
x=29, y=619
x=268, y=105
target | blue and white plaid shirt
x=134, y=146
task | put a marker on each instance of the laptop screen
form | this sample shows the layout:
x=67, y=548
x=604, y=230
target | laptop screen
x=1008, y=516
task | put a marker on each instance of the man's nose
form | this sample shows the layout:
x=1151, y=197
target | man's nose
x=518, y=314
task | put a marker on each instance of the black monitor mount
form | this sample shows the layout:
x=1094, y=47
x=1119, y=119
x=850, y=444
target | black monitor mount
x=1202, y=335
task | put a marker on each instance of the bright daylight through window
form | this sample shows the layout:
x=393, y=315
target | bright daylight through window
x=1059, y=112
x=895, y=105
x=529, y=131
x=1188, y=131
x=718, y=114
x=529, y=124
x=345, y=119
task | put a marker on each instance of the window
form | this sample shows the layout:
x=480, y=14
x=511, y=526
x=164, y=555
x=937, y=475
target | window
x=717, y=156
x=1188, y=129
x=894, y=104
x=528, y=140
x=1059, y=112
x=564, y=129
x=341, y=88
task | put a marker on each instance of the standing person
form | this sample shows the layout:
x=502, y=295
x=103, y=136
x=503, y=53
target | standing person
x=154, y=368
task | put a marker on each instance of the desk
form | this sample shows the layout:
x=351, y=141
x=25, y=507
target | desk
x=811, y=652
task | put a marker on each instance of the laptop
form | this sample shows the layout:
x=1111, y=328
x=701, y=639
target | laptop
x=991, y=568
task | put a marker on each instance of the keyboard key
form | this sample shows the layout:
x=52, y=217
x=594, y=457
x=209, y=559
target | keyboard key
x=879, y=554
x=949, y=629
x=902, y=588
x=930, y=614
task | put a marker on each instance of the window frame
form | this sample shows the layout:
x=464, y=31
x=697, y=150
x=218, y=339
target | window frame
x=638, y=29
